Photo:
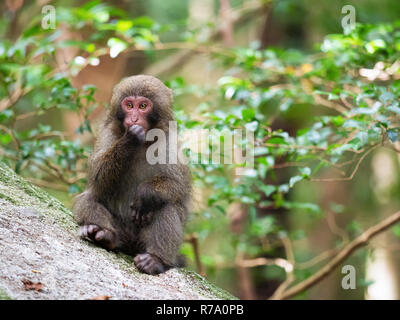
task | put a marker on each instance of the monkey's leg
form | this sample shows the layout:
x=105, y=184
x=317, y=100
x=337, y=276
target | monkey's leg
x=95, y=221
x=154, y=194
x=161, y=240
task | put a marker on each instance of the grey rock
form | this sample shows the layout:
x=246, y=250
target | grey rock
x=39, y=242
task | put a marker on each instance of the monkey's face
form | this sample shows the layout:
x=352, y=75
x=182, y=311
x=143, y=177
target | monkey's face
x=136, y=110
x=141, y=100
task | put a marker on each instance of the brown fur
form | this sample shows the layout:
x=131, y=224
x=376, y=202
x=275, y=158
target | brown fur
x=120, y=180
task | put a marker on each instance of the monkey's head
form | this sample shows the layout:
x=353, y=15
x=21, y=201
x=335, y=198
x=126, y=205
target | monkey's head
x=141, y=100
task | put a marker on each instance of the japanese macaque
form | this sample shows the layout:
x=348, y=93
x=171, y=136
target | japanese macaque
x=130, y=205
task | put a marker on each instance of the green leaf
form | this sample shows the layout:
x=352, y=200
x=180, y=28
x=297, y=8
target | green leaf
x=6, y=115
x=305, y=172
x=5, y=138
x=394, y=109
x=294, y=180
x=310, y=207
x=145, y=22
x=396, y=230
x=393, y=135
x=116, y=46
x=73, y=188
x=375, y=45
x=263, y=226
x=267, y=189
x=248, y=114
x=124, y=25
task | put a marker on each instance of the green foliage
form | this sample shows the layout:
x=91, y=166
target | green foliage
x=33, y=86
x=340, y=103
x=352, y=86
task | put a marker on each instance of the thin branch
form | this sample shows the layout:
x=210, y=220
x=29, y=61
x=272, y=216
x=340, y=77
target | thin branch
x=245, y=281
x=344, y=163
x=359, y=242
x=317, y=259
x=206, y=48
x=330, y=104
x=288, y=164
x=194, y=241
x=46, y=135
x=57, y=173
x=352, y=174
x=293, y=146
x=289, y=273
x=330, y=219
x=251, y=263
x=9, y=131
x=346, y=103
x=14, y=97
x=26, y=115
x=239, y=16
x=47, y=184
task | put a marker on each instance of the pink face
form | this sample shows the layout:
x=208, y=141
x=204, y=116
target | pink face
x=136, y=110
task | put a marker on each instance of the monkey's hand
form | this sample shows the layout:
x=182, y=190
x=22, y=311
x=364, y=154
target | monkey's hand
x=141, y=219
x=148, y=201
x=137, y=134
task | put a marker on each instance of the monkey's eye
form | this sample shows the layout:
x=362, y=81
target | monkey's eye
x=129, y=105
x=143, y=105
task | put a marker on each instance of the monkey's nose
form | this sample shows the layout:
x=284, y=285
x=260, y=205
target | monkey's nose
x=132, y=120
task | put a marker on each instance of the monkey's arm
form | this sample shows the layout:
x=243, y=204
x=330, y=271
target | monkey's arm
x=106, y=169
x=109, y=164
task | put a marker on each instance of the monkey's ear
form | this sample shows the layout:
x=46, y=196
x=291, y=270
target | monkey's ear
x=171, y=95
x=115, y=95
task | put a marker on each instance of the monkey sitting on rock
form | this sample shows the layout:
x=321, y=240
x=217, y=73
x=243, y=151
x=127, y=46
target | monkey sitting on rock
x=130, y=205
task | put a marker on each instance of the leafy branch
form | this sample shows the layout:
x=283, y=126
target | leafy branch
x=361, y=241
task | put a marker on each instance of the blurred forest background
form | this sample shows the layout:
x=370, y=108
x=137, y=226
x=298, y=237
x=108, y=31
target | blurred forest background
x=322, y=102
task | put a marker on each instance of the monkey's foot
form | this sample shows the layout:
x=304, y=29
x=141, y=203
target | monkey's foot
x=142, y=219
x=149, y=264
x=103, y=237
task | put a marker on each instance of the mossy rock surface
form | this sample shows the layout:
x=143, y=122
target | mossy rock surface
x=39, y=243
